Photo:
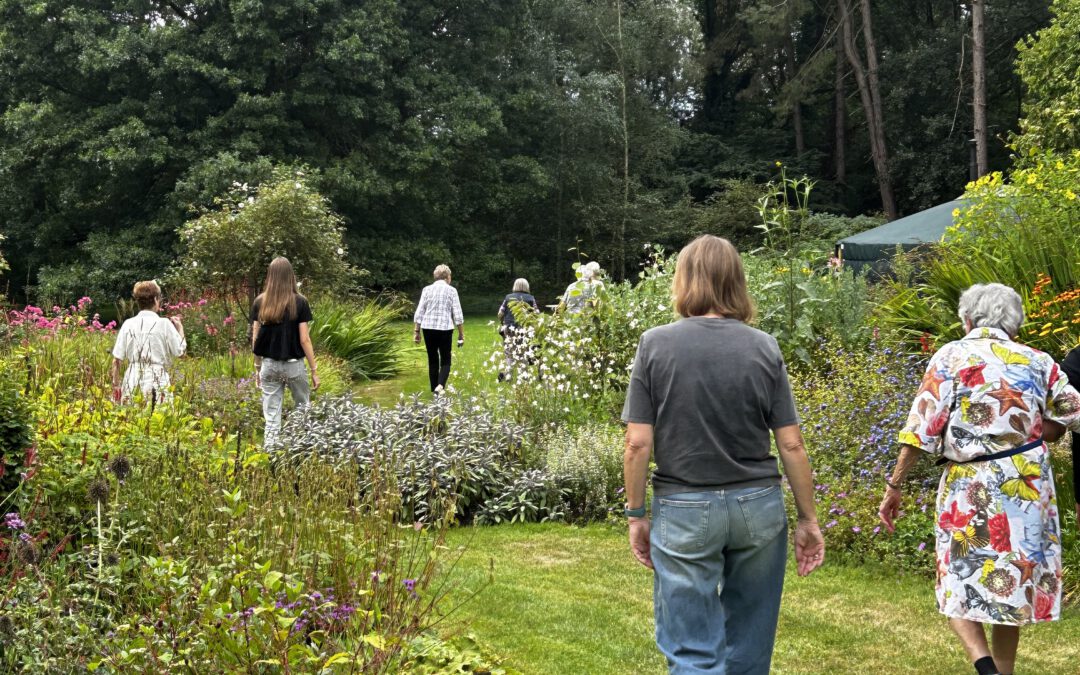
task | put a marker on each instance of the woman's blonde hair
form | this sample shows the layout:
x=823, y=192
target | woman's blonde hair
x=442, y=272
x=146, y=294
x=277, y=302
x=709, y=279
x=521, y=286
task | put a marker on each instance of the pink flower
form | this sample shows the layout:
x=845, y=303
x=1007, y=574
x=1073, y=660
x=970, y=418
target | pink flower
x=229, y=320
x=202, y=301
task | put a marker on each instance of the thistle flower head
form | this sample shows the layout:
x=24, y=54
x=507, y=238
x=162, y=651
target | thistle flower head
x=98, y=490
x=120, y=467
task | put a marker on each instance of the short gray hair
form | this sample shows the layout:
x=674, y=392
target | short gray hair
x=521, y=285
x=442, y=272
x=992, y=306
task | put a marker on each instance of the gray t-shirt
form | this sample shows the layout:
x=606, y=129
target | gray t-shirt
x=712, y=389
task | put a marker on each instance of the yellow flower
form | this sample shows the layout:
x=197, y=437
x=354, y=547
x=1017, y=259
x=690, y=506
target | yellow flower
x=1069, y=194
x=779, y=163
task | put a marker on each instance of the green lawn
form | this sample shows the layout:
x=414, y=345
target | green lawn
x=467, y=372
x=559, y=599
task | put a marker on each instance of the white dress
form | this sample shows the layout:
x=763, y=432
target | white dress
x=148, y=343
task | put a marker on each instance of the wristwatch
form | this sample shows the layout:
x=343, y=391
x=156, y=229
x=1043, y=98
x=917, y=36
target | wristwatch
x=639, y=512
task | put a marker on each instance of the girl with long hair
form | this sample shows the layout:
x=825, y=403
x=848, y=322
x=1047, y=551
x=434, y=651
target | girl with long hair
x=281, y=342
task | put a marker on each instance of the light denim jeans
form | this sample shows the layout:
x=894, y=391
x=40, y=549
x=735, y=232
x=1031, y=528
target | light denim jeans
x=719, y=559
x=275, y=376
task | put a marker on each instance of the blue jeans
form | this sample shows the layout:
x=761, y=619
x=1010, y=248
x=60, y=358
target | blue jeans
x=719, y=559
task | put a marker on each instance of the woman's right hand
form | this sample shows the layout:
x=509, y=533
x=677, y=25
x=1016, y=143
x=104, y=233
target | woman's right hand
x=809, y=547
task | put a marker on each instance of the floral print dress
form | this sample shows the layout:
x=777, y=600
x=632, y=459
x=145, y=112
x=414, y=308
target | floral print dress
x=997, y=534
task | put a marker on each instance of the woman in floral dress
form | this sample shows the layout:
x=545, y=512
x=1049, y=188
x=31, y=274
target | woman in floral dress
x=985, y=406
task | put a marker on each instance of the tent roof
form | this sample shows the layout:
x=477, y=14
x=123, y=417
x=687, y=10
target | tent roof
x=919, y=228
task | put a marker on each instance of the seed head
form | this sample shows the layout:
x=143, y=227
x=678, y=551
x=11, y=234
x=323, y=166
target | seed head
x=28, y=553
x=98, y=490
x=120, y=467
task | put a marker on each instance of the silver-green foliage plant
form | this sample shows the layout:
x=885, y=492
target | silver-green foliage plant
x=587, y=461
x=228, y=248
x=436, y=450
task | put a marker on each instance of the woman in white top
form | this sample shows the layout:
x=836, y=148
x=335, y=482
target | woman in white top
x=148, y=343
x=437, y=314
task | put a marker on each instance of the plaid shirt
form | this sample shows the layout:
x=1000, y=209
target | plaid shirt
x=439, y=307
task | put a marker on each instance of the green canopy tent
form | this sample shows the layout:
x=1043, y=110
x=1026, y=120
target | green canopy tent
x=874, y=248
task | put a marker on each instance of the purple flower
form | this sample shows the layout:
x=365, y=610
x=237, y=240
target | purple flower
x=14, y=522
x=856, y=529
x=831, y=524
x=375, y=576
x=877, y=529
x=409, y=584
x=922, y=546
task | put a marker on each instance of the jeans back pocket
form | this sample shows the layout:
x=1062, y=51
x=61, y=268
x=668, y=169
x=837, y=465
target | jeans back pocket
x=764, y=513
x=683, y=524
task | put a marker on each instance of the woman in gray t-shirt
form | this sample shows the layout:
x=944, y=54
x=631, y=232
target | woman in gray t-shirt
x=704, y=395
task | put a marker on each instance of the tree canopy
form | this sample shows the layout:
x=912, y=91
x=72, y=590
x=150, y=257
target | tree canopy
x=493, y=135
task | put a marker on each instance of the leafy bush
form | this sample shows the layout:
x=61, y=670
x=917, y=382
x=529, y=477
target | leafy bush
x=16, y=419
x=228, y=249
x=571, y=368
x=797, y=300
x=364, y=334
x=1010, y=232
x=1047, y=64
x=435, y=451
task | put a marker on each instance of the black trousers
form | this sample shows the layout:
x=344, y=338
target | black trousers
x=439, y=345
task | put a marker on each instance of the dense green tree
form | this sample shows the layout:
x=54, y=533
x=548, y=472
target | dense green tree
x=1049, y=65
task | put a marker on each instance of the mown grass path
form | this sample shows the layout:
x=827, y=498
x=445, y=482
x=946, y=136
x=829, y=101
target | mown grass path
x=481, y=337
x=560, y=599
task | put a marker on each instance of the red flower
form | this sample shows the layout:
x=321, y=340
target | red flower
x=999, y=533
x=937, y=425
x=953, y=520
x=972, y=376
x=1044, y=606
x=1054, y=376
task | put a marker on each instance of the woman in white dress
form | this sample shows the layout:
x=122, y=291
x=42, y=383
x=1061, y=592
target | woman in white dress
x=148, y=343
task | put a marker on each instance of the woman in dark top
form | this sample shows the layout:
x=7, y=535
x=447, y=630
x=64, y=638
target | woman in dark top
x=280, y=342
x=1071, y=366
x=515, y=343
x=705, y=394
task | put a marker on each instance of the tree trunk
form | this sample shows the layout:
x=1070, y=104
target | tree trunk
x=866, y=76
x=620, y=240
x=978, y=67
x=796, y=99
x=840, y=114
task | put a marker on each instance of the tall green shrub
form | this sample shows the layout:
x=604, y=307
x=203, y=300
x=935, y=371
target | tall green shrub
x=228, y=249
x=1048, y=64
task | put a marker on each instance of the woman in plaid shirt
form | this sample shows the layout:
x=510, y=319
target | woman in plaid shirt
x=437, y=314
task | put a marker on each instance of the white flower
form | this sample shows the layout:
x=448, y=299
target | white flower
x=298, y=186
x=340, y=251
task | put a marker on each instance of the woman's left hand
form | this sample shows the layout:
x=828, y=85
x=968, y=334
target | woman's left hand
x=314, y=380
x=889, y=510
